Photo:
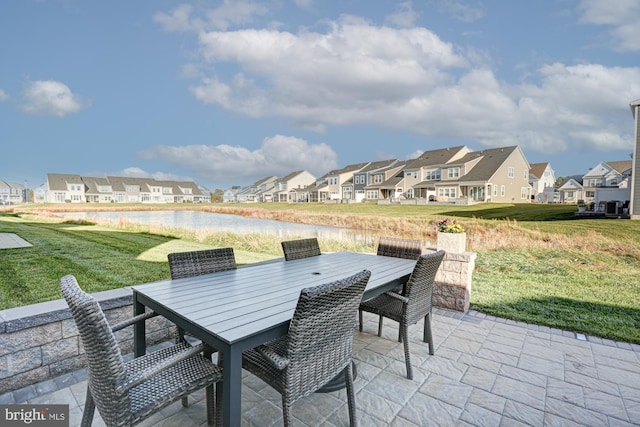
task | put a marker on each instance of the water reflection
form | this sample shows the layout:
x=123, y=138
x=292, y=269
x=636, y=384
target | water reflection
x=222, y=222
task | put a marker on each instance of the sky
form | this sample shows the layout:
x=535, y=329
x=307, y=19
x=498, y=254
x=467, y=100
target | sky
x=228, y=92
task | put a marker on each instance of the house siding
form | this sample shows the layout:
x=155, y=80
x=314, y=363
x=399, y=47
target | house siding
x=635, y=174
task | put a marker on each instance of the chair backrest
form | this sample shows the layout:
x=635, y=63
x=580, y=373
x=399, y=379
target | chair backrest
x=197, y=263
x=301, y=248
x=104, y=359
x=321, y=333
x=419, y=288
x=400, y=248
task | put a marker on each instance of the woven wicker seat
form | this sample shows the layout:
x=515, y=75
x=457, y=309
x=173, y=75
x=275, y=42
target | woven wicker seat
x=302, y=248
x=318, y=346
x=409, y=308
x=128, y=393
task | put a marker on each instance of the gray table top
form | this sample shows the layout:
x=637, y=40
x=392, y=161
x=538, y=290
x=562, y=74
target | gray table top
x=236, y=304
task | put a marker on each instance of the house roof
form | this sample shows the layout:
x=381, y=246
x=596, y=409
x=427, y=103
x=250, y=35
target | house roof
x=435, y=157
x=380, y=165
x=490, y=160
x=620, y=165
x=537, y=169
x=59, y=181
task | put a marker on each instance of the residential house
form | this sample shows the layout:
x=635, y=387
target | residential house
x=283, y=187
x=392, y=188
x=357, y=187
x=68, y=188
x=422, y=174
x=605, y=175
x=336, y=178
x=65, y=188
x=542, y=179
x=12, y=193
x=570, y=191
x=231, y=195
x=255, y=192
x=496, y=175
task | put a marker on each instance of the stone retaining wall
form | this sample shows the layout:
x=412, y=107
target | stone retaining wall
x=40, y=341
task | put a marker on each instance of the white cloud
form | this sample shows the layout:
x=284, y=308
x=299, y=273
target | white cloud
x=278, y=155
x=405, y=16
x=3, y=95
x=462, y=11
x=135, y=172
x=50, y=98
x=409, y=79
x=229, y=13
x=622, y=16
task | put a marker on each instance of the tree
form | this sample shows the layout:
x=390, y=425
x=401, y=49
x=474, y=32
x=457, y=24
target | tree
x=216, y=196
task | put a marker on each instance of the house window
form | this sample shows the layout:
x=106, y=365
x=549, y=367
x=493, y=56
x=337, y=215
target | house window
x=433, y=175
x=570, y=194
x=59, y=197
x=590, y=193
x=495, y=190
x=453, y=172
x=525, y=175
x=502, y=190
x=447, y=191
x=524, y=193
x=511, y=172
x=377, y=179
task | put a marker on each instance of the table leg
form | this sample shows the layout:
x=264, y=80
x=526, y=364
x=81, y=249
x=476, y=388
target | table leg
x=139, y=330
x=231, y=387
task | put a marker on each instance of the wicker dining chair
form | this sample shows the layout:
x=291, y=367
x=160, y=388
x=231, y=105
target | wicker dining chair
x=301, y=248
x=414, y=305
x=318, y=346
x=127, y=393
x=197, y=263
x=400, y=248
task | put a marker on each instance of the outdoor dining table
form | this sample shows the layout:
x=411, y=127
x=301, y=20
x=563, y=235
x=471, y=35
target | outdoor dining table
x=236, y=310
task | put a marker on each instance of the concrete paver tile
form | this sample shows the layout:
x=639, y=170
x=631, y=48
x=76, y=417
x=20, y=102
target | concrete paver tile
x=487, y=400
x=479, y=416
x=515, y=390
x=565, y=392
x=607, y=404
x=479, y=378
x=523, y=413
x=578, y=414
x=542, y=366
x=523, y=375
x=425, y=410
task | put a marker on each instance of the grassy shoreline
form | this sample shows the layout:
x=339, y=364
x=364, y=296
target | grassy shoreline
x=535, y=262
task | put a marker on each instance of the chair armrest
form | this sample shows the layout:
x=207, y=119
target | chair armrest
x=397, y=296
x=134, y=320
x=154, y=370
x=279, y=362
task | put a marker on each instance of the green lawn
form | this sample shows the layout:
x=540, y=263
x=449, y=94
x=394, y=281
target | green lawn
x=535, y=263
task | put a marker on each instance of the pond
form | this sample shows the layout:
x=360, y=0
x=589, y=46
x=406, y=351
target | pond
x=223, y=222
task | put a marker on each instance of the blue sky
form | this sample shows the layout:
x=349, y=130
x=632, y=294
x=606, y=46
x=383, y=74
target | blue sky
x=227, y=92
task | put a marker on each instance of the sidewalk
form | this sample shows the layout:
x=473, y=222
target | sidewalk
x=10, y=241
x=486, y=371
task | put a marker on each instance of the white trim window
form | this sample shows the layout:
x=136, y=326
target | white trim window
x=453, y=172
x=495, y=190
x=524, y=193
x=511, y=172
x=502, y=190
x=447, y=192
